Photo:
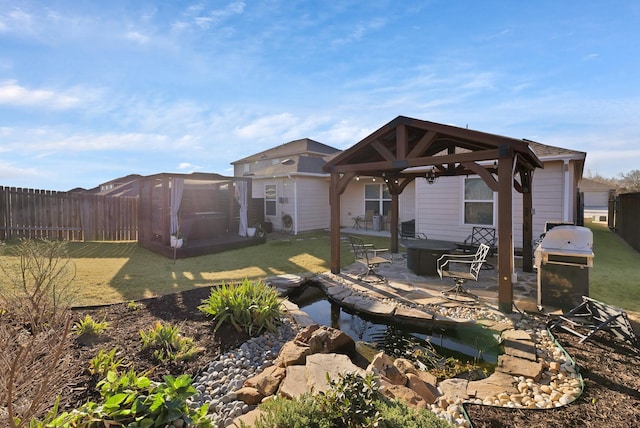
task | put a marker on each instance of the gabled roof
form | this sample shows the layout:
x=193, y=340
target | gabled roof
x=587, y=184
x=405, y=142
x=304, y=146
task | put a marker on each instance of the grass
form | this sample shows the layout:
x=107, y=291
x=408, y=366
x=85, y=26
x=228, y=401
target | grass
x=109, y=272
x=616, y=269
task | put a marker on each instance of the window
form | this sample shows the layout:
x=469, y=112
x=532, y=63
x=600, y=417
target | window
x=377, y=199
x=270, y=199
x=478, y=202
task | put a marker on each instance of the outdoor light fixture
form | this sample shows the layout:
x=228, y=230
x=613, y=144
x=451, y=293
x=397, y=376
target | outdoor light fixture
x=431, y=176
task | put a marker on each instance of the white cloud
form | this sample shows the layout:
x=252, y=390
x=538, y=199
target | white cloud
x=137, y=37
x=268, y=126
x=11, y=93
x=17, y=21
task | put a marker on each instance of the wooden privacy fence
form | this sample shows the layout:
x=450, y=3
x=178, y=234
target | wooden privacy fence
x=623, y=215
x=72, y=216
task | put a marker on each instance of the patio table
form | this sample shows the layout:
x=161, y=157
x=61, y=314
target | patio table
x=423, y=254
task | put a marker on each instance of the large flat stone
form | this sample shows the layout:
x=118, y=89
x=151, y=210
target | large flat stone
x=412, y=313
x=294, y=383
x=369, y=306
x=319, y=365
x=495, y=384
x=338, y=292
x=516, y=335
x=515, y=366
x=521, y=349
x=454, y=388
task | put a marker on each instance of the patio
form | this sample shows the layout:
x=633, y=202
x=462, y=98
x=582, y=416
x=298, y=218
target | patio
x=403, y=284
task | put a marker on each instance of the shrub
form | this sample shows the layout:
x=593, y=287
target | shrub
x=89, y=327
x=249, y=306
x=168, y=344
x=351, y=401
x=39, y=276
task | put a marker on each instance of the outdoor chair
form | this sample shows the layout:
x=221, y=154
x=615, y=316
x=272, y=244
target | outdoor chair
x=368, y=256
x=462, y=268
x=408, y=233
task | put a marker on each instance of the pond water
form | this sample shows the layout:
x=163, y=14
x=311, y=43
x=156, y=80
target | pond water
x=471, y=344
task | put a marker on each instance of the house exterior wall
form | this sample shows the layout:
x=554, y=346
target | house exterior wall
x=305, y=199
x=352, y=202
x=313, y=210
x=440, y=205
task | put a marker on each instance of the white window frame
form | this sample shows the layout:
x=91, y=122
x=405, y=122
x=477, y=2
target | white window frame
x=380, y=199
x=466, y=201
x=270, y=200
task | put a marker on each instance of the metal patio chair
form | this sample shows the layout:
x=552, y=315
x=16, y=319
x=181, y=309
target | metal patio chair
x=462, y=268
x=368, y=256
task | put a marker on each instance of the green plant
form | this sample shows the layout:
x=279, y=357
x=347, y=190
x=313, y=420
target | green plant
x=350, y=401
x=249, y=306
x=104, y=363
x=168, y=344
x=89, y=327
x=130, y=400
x=132, y=305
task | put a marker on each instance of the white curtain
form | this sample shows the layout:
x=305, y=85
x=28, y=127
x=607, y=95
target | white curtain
x=177, y=187
x=241, y=197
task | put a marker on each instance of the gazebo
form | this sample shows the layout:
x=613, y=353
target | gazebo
x=406, y=148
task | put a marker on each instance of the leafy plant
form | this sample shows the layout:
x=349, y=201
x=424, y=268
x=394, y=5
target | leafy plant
x=89, y=327
x=133, y=306
x=105, y=362
x=135, y=401
x=249, y=306
x=168, y=344
x=351, y=401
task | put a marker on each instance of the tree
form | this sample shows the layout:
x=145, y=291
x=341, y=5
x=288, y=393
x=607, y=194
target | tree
x=630, y=182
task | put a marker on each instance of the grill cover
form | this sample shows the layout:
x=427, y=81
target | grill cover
x=568, y=245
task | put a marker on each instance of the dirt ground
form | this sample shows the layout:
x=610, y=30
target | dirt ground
x=611, y=370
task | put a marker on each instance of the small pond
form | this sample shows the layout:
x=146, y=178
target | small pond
x=469, y=343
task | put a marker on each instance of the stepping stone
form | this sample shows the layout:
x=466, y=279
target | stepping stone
x=515, y=366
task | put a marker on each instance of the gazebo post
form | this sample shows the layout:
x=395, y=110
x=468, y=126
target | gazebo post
x=334, y=202
x=505, y=229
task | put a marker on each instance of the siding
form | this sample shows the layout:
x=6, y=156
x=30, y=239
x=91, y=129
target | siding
x=440, y=210
x=313, y=203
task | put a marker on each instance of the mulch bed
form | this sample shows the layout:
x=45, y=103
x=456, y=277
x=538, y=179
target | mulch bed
x=611, y=397
x=123, y=333
x=611, y=370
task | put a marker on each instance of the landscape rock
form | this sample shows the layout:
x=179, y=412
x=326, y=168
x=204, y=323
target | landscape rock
x=294, y=383
x=428, y=392
x=249, y=395
x=495, y=384
x=319, y=365
x=293, y=353
x=383, y=365
x=454, y=389
x=403, y=393
x=515, y=366
x=267, y=381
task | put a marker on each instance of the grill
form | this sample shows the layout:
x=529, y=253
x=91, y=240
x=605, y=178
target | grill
x=563, y=259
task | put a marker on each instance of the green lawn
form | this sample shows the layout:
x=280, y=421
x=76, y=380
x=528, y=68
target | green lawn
x=110, y=272
x=615, y=276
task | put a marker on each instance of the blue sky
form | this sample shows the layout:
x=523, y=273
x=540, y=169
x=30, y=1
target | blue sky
x=94, y=90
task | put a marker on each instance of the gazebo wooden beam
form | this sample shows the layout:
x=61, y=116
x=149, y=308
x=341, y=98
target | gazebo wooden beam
x=400, y=164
